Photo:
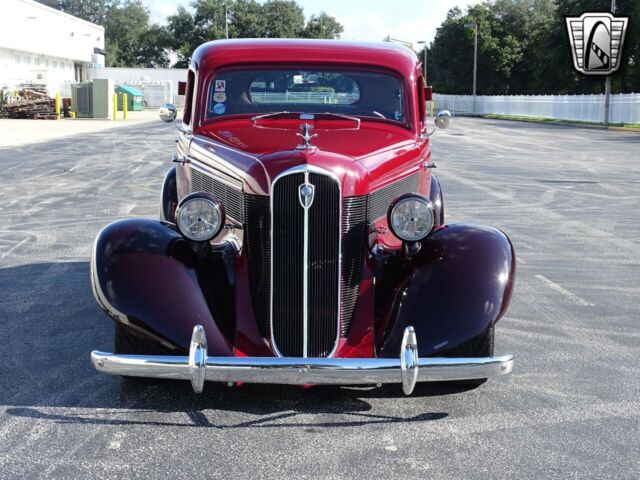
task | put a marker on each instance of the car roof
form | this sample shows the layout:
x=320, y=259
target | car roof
x=219, y=53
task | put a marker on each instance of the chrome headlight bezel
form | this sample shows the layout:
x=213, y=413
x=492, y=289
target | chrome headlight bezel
x=202, y=200
x=428, y=212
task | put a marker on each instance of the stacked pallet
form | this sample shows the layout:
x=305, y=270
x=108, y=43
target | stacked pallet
x=31, y=102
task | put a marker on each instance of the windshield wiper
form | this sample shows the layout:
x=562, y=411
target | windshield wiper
x=309, y=116
x=267, y=115
x=343, y=117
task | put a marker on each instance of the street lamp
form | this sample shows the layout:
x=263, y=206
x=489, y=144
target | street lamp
x=424, y=65
x=475, y=61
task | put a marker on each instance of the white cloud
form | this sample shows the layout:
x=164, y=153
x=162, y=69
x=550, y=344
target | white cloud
x=159, y=10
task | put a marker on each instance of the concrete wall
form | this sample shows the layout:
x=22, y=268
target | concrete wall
x=39, y=44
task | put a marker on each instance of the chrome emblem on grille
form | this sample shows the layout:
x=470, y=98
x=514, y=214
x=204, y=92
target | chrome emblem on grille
x=306, y=192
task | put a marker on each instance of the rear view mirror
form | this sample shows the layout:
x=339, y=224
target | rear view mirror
x=443, y=119
x=168, y=112
x=182, y=88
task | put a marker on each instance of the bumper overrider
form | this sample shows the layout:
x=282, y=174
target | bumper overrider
x=407, y=369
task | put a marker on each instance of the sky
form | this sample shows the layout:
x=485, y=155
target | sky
x=372, y=20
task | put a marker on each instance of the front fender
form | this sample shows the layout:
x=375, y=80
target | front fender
x=456, y=287
x=144, y=275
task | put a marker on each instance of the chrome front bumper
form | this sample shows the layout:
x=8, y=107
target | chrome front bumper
x=198, y=367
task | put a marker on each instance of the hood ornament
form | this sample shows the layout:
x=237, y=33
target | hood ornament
x=306, y=137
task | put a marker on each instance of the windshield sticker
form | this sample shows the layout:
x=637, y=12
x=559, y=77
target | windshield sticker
x=219, y=108
x=221, y=85
x=219, y=97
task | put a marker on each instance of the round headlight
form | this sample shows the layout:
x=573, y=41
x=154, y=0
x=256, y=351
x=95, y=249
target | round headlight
x=411, y=217
x=200, y=216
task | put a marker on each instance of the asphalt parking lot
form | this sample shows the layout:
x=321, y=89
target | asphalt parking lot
x=568, y=197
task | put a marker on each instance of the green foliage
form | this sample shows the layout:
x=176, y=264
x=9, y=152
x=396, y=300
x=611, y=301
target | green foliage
x=322, y=26
x=132, y=42
x=246, y=19
x=523, y=48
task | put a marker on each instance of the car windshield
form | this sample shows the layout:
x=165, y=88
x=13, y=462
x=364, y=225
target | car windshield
x=347, y=92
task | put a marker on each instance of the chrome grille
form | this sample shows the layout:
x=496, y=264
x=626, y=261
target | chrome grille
x=305, y=305
x=231, y=197
x=354, y=242
x=380, y=200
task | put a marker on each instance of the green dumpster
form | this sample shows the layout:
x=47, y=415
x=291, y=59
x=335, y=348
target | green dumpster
x=134, y=98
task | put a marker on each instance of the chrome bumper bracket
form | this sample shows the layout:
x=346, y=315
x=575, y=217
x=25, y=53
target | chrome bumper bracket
x=408, y=369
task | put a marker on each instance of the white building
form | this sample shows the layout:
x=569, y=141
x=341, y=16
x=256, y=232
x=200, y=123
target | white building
x=41, y=45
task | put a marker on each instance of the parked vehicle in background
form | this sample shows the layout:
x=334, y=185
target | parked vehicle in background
x=302, y=236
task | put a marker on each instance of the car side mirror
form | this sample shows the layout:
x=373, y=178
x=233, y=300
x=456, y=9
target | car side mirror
x=428, y=93
x=182, y=88
x=168, y=112
x=443, y=119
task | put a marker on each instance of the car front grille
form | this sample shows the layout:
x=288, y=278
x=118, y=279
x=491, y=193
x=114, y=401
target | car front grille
x=305, y=322
x=274, y=241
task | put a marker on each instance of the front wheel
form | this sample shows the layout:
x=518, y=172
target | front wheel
x=480, y=346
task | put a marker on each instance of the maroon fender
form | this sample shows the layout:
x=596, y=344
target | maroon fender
x=169, y=197
x=435, y=195
x=147, y=277
x=458, y=285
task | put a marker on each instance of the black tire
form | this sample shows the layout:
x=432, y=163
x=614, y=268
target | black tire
x=126, y=342
x=480, y=346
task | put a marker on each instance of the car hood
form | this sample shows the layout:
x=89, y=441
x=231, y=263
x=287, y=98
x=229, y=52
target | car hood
x=338, y=136
x=361, y=158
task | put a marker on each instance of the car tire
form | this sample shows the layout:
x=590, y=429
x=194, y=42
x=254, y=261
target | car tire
x=127, y=343
x=480, y=346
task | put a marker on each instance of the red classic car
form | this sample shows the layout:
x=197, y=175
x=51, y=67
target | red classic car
x=302, y=237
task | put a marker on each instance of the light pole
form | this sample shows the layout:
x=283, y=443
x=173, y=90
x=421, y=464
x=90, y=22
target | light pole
x=424, y=64
x=226, y=21
x=607, y=82
x=475, y=61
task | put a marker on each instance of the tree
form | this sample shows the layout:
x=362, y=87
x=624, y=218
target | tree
x=94, y=11
x=283, y=19
x=246, y=19
x=322, y=26
x=523, y=48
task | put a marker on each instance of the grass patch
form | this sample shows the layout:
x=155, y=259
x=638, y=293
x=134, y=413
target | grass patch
x=521, y=118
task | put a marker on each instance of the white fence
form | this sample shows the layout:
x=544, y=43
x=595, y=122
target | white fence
x=305, y=97
x=624, y=107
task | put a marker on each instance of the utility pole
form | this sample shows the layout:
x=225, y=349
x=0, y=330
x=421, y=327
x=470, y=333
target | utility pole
x=607, y=82
x=226, y=21
x=475, y=61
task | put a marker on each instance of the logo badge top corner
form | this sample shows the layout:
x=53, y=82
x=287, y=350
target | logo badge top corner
x=597, y=40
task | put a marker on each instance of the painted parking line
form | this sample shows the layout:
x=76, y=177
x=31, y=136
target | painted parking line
x=15, y=247
x=563, y=291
